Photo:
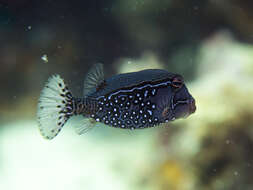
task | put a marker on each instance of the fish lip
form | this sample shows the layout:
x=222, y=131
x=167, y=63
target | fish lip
x=192, y=105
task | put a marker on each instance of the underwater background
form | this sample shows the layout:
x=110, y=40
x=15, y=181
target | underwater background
x=209, y=42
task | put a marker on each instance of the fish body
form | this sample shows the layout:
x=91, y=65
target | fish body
x=134, y=100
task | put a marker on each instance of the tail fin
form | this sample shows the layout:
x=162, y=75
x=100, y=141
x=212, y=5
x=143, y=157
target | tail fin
x=55, y=107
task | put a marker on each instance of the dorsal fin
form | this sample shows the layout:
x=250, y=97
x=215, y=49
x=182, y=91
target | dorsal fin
x=94, y=79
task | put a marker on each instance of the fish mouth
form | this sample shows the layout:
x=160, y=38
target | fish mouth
x=181, y=109
x=192, y=106
x=184, y=108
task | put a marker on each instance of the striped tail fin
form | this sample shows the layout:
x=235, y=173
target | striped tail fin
x=55, y=107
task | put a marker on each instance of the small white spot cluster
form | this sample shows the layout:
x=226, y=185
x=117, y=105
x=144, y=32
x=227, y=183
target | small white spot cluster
x=128, y=109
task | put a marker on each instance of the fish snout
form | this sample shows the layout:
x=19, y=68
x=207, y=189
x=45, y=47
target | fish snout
x=192, y=105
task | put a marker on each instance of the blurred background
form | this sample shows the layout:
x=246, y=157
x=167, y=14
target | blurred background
x=209, y=42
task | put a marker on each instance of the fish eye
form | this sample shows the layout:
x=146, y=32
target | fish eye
x=177, y=82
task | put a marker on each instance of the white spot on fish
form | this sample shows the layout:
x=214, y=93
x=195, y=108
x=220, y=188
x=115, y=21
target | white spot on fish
x=150, y=112
x=153, y=92
x=145, y=93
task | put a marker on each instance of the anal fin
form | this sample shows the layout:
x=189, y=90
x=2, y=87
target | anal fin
x=82, y=124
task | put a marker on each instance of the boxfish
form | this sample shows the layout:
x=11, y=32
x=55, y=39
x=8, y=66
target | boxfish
x=135, y=100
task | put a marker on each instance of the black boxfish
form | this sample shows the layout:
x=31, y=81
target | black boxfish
x=134, y=100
